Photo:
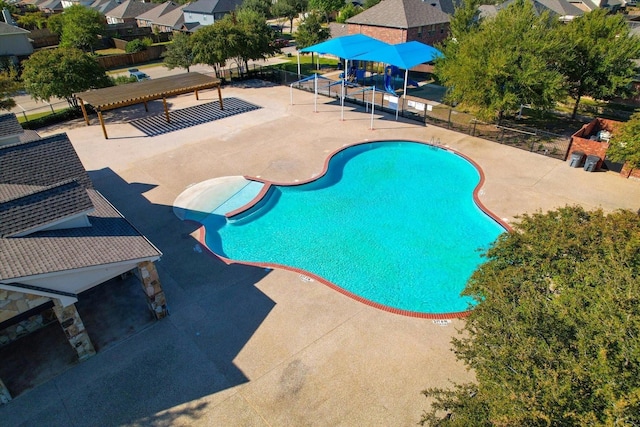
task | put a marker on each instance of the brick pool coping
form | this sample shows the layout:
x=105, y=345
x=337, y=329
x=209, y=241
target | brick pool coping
x=268, y=184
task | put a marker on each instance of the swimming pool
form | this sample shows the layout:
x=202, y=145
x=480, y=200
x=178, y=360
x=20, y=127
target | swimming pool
x=393, y=223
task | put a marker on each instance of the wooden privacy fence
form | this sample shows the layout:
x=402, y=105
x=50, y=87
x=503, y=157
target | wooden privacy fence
x=126, y=59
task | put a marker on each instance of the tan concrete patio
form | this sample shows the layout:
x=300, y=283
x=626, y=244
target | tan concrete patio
x=249, y=347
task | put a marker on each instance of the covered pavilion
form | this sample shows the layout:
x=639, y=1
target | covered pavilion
x=111, y=98
x=364, y=48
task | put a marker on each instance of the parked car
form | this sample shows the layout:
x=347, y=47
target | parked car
x=139, y=75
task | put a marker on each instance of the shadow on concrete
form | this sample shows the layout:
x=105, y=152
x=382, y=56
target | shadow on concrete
x=147, y=372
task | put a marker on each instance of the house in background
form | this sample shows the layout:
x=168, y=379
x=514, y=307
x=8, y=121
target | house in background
x=399, y=21
x=14, y=42
x=127, y=11
x=59, y=237
x=104, y=6
x=166, y=17
x=563, y=9
x=206, y=12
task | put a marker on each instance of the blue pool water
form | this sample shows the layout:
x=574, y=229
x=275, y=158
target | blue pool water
x=392, y=222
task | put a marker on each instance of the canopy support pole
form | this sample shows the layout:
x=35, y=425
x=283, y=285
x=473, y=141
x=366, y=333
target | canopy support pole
x=315, y=97
x=298, y=64
x=373, y=104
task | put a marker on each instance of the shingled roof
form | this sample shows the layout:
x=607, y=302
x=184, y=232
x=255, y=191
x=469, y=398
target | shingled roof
x=130, y=9
x=42, y=184
x=109, y=240
x=401, y=14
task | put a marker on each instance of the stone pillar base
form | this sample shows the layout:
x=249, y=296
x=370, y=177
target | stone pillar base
x=74, y=330
x=150, y=281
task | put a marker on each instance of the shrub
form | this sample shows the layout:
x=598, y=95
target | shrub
x=135, y=45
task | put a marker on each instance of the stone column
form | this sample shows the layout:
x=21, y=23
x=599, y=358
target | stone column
x=74, y=329
x=148, y=276
x=5, y=396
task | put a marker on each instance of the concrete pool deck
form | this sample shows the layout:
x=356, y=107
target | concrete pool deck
x=246, y=346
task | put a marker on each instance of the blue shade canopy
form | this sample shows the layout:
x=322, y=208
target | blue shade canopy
x=404, y=55
x=347, y=47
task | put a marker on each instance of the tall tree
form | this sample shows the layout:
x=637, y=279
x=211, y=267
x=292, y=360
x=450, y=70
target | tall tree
x=326, y=7
x=598, y=61
x=80, y=27
x=251, y=38
x=8, y=85
x=179, y=53
x=32, y=20
x=310, y=32
x=210, y=45
x=554, y=338
x=263, y=7
x=504, y=63
x=289, y=9
x=347, y=12
x=465, y=19
x=62, y=72
x=625, y=142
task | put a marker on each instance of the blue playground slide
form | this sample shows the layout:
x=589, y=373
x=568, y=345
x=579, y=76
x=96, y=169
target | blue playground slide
x=391, y=72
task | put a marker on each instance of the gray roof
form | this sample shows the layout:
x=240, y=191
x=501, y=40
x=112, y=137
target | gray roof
x=158, y=11
x=43, y=206
x=104, y=6
x=110, y=239
x=43, y=182
x=130, y=9
x=213, y=6
x=11, y=29
x=9, y=125
x=173, y=19
x=26, y=167
x=557, y=7
x=402, y=14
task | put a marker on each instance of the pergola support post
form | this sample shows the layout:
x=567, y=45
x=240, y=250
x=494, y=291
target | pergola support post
x=220, y=97
x=166, y=110
x=150, y=281
x=74, y=329
x=197, y=98
x=146, y=106
x=104, y=129
x=84, y=112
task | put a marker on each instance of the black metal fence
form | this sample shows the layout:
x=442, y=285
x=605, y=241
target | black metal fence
x=430, y=113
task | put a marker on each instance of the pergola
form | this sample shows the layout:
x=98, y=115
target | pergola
x=110, y=98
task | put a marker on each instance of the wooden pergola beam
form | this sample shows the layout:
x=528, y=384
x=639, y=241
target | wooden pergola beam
x=115, y=97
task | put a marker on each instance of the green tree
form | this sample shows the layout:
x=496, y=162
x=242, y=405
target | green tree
x=625, y=142
x=8, y=85
x=262, y=7
x=347, y=12
x=32, y=20
x=598, y=61
x=210, y=45
x=250, y=38
x=11, y=7
x=55, y=24
x=326, y=7
x=554, y=339
x=370, y=3
x=179, y=53
x=289, y=9
x=504, y=63
x=311, y=31
x=138, y=45
x=465, y=19
x=80, y=27
x=61, y=73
